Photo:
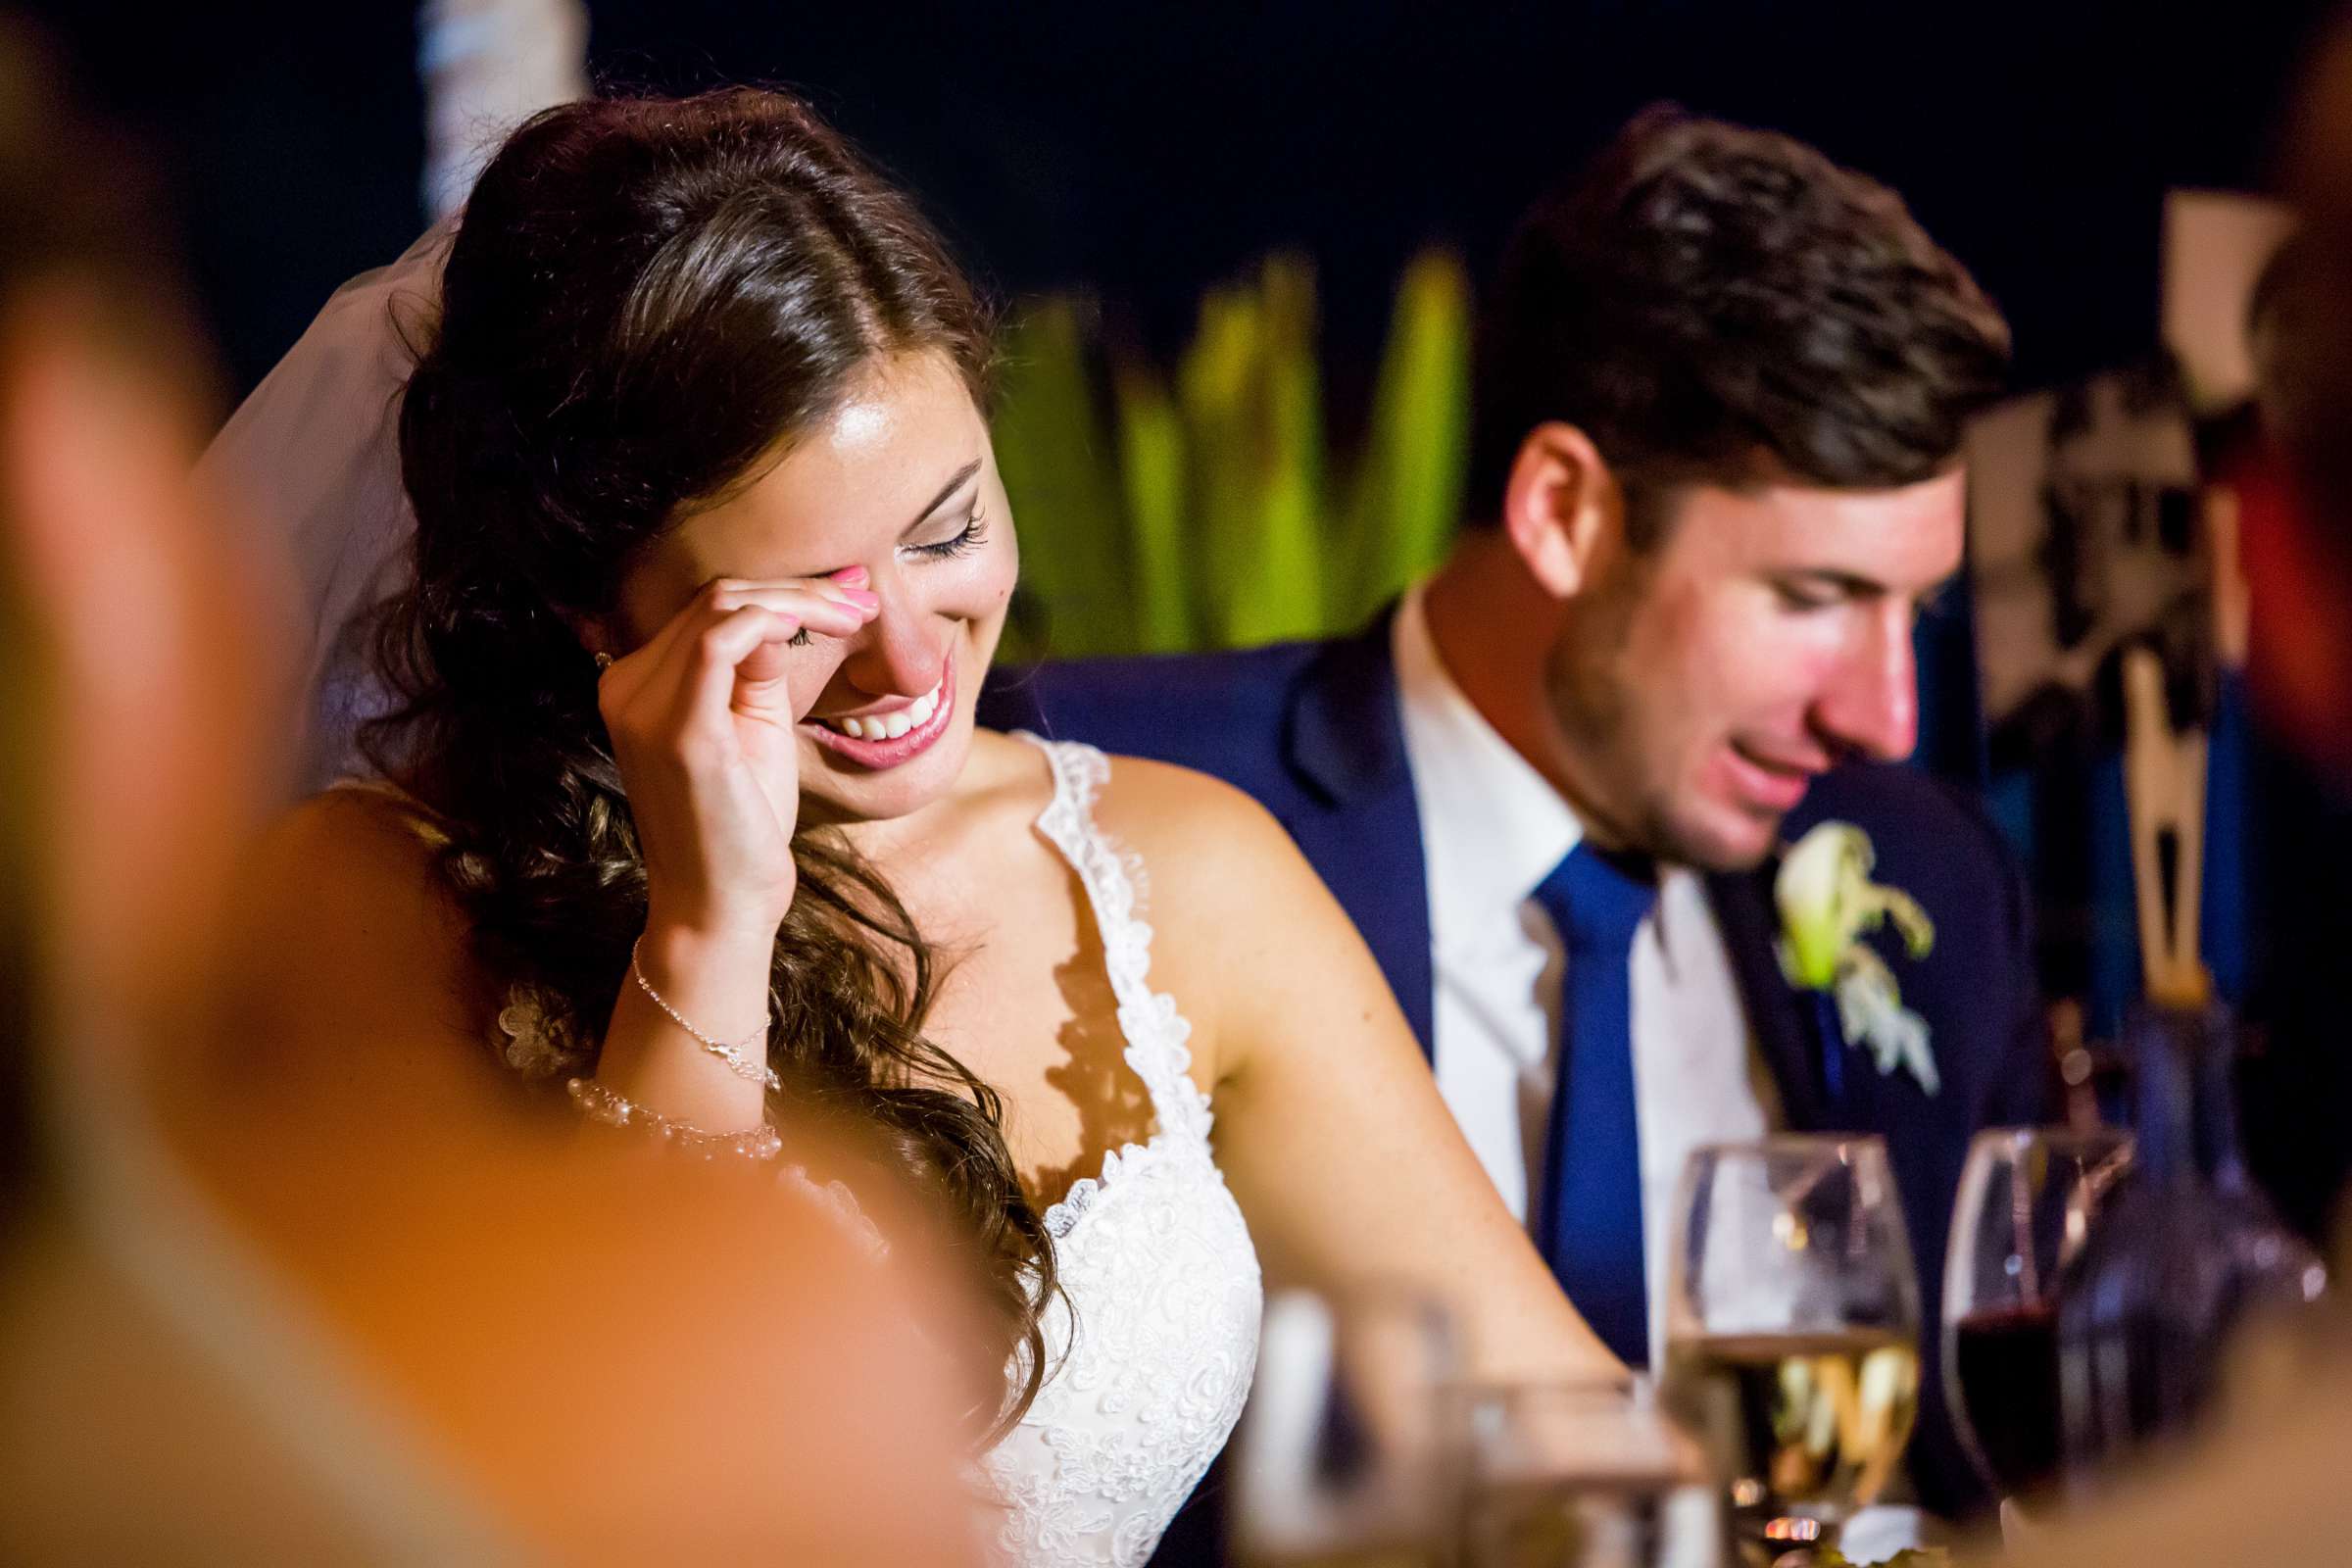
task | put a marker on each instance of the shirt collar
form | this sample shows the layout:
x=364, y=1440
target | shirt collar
x=1492, y=827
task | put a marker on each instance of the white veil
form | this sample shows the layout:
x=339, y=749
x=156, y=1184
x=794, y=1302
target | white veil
x=314, y=456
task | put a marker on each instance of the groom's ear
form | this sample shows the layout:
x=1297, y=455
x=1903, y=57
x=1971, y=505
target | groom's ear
x=1560, y=508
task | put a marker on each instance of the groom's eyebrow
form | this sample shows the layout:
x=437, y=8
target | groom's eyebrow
x=962, y=477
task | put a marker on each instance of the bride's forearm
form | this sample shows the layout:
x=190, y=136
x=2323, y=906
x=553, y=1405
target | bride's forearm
x=715, y=984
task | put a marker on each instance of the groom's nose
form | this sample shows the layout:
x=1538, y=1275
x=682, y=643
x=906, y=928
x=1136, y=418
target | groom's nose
x=1869, y=701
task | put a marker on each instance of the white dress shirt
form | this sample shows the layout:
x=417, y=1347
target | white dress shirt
x=1491, y=830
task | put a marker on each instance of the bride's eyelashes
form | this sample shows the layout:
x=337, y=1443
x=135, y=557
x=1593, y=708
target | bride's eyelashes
x=963, y=542
x=975, y=530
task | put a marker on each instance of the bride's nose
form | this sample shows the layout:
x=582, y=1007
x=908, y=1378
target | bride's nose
x=899, y=654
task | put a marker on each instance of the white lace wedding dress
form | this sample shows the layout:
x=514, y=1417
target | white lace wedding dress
x=1155, y=1346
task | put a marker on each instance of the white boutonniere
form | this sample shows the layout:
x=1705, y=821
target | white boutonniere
x=1826, y=902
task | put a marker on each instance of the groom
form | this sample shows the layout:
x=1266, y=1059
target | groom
x=1719, y=408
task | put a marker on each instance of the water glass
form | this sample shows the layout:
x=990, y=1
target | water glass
x=1792, y=1332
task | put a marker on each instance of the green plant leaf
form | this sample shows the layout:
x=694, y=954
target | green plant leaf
x=1161, y=513
x=1152, y=472
x=1061, y=470
x=1405, y=495
x=1250, y=398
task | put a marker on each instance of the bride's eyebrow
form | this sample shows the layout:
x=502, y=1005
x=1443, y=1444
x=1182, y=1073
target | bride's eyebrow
x=962, y=477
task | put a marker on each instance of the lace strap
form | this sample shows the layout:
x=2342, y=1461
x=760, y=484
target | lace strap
x=1155, y=1033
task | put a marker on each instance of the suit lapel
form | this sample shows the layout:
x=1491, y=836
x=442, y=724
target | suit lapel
x=1342, y=731
x=1343, y=738
x=1789, y=1025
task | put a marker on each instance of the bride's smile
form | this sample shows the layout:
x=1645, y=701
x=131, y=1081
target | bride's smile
x=873, y=736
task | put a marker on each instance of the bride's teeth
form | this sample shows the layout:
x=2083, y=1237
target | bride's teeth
x=890, y=726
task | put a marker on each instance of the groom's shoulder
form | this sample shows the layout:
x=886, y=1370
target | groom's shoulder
x=1157, y=705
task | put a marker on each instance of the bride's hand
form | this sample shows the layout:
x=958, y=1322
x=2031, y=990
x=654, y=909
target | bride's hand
x=702, y=719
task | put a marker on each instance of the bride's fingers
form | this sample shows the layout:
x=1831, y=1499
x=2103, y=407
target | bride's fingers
x=717, y=658
x=673, y=716
x=648, y=698
x=760, y=676
x=802, y=599
x=760, y=683
x=665, y=659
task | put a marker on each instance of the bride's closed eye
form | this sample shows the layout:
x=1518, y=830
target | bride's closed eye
x=964, y=542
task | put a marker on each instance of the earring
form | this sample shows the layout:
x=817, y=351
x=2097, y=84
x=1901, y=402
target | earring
x=604, y=661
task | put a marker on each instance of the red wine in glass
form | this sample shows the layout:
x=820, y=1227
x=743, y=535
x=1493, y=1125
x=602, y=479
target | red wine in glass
x=2006, y=1358
x=2029, y=1197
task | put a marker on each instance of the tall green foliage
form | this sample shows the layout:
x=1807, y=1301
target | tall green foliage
x=1200, y=509
x=1406, y=499
x=1152, y=451
x=1061, y=471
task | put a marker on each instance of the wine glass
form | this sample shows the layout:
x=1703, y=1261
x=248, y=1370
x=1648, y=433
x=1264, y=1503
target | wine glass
x=1347, y=1457
x=1792, y=1332
x=2027, y=1199
x=1580, y=1475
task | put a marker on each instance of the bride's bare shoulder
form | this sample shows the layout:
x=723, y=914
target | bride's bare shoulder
x=1154, y=806
x=1236, y=911
x=1213, y=855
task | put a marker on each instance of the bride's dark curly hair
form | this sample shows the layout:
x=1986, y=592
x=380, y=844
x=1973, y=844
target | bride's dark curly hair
x=646, y=299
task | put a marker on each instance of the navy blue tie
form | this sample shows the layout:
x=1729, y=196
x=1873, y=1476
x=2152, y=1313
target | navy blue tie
x=1589, y=1218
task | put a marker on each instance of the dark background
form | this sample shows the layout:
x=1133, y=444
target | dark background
x=1148, y=150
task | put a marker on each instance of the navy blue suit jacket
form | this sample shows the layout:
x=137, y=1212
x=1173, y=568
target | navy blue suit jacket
x=1314, y=732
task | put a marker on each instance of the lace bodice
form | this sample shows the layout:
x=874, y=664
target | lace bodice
x=1158, y=1336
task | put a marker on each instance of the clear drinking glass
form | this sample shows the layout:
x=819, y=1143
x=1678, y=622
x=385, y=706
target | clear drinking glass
x=1347, y=1457
x=1582, y=1475
x=1792, y=1332
x=2027, y=1199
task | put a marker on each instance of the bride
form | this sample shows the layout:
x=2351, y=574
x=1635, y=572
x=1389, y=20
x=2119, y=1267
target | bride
x=685, y=815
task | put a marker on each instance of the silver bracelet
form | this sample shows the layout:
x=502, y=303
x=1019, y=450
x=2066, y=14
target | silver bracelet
x=737, y=1058
x=599, y=1101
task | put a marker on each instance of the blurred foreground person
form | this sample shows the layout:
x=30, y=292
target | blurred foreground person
x=368, y=1339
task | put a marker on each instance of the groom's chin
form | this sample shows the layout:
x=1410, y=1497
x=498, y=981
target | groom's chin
x=1722, y=839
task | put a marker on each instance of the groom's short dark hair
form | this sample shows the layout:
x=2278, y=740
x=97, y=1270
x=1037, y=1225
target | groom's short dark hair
x=1713, y=304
